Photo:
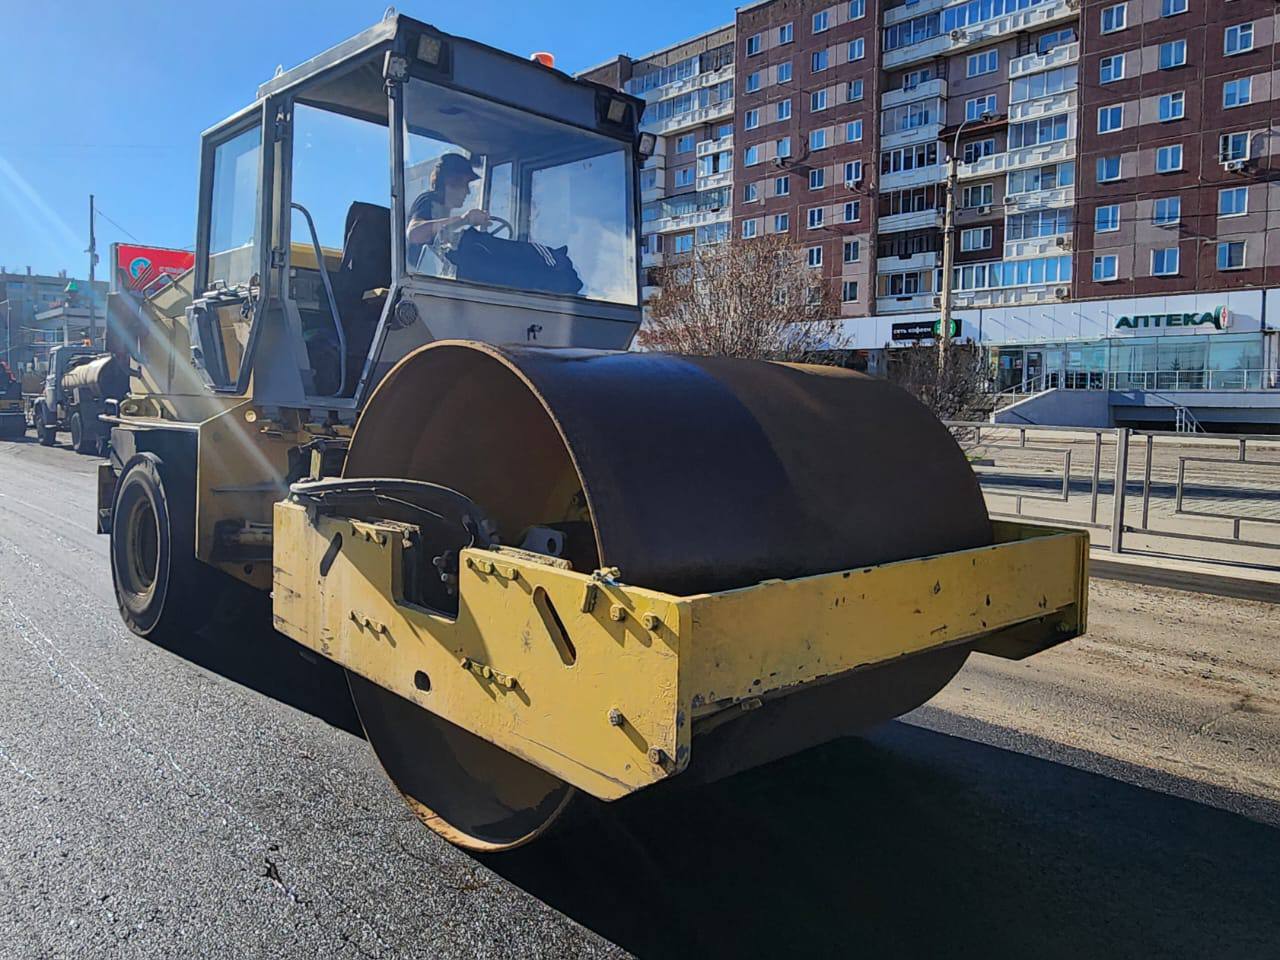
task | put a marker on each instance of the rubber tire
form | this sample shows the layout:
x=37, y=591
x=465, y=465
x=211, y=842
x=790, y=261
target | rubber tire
x=78, y=435
x=44, y=434
x=179, y=593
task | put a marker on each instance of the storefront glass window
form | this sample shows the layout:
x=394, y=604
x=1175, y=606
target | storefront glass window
x=1181, y=363
x=1236, y=362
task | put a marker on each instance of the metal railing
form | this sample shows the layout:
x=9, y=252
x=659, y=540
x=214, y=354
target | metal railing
x=1210, y=496
x=1150, y=380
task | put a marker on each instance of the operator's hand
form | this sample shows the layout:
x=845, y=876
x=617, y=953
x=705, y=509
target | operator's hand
x=475, y=218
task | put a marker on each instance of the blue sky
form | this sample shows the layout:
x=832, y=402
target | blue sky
x=110, y=97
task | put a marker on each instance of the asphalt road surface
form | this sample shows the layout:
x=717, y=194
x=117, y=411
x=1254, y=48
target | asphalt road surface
x=1119, y=796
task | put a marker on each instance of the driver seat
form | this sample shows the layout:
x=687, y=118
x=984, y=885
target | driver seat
x=365, y=266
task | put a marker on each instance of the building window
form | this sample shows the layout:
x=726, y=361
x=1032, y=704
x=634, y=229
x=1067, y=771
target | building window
x=1237, y=93
x=1114, y=18
x=781, y=222
x=853, y=211
x=784, y=147
x=1171, y=8
x=685, y=143
x=784, y=109
x=815, y=256
x=852, y=172
x=1164, y=263
x=857, y=49
x=852, y=251
x=1238, y=39
x=753, y=45
x=817, y=178
x=782, y=187
x=1108, y=169
x=978, y=238
x=1106, y=219
x=1172, y=106
x=1167, y=212
x=988, y=61
x=819, y=61
x=853, y=131
x=786, y=33
x=977, y=196
x=750, y=193
x=749, y=228
x=821, y=21
x=1110, y=119
x=979, y=107
x=1169, y=158
x=818, y=139
x=1111, y=69
x=684, y=177
x=1104, y=269
x=784, y=72
x=751, y=120
x=1231, y=255
x=1233, y=146
x=753, y=82
x=849, y=291
x=857, y=9
x=817, y=101
x=975, y=150
x=683, y=242
x=1233, y=202
x=815, y=217
x=853, y=91
x=1173, y=54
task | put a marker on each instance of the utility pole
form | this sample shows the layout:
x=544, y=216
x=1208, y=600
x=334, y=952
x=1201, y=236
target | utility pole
x=8, y=333
x=93, y=263
x=949, y=248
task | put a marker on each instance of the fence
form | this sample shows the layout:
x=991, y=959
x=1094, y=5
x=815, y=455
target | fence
x=1208, y=497
x=1222, y=380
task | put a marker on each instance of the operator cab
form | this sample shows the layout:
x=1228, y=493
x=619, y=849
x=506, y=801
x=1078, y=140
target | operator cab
x=409, y=186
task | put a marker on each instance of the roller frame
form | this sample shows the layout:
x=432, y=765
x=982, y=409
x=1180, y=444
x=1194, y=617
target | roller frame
x=651, y=668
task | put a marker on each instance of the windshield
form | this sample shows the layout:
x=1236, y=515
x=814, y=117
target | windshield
x=505, y=198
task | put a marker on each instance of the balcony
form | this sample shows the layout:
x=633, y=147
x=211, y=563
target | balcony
x=921, y=91
x=1060, y=56
x=928, y=260
x=919, y=177
x=692, y=118
x=1027, y=19
x=1043, y=106
x=651, y=259
x=714, y=180
x=929, y=49
x=1015, y=159
x=650, y=194
x=915, y=220
x=1013, y=296
x=688, y=221
x=908, y=11
x=913, y=304
x=1037, y=247
x=926, y=133
x=649, y=292
x=708, y=147
x=696, y=82
x=1040, y=200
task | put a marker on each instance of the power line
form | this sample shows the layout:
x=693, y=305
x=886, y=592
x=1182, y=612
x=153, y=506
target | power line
x=103, y=215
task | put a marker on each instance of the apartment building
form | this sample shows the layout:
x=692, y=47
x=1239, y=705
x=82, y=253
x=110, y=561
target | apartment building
x=686, y=186
x=1113, y=174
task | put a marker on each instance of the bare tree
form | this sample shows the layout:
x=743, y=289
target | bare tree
x=954, y=390
x=754, y=298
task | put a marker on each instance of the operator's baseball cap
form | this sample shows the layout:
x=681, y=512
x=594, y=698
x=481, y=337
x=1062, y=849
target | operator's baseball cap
x=455, y=165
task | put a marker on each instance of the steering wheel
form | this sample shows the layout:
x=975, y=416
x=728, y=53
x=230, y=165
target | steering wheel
x=501, y=225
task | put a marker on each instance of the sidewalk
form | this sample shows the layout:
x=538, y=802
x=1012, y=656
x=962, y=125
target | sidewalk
x=1198, y=576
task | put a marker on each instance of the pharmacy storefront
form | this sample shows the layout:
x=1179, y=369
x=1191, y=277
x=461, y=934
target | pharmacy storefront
x=1221, y=341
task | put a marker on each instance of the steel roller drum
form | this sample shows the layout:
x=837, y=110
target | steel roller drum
x=689, y=474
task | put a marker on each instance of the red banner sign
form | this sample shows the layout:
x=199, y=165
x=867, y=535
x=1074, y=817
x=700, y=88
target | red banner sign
x=142, y=268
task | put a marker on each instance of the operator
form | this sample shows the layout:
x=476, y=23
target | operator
x=434, y=220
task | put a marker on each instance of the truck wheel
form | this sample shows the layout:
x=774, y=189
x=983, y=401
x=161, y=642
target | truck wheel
x=153, y=564
x=44, y=433
x=81, y=439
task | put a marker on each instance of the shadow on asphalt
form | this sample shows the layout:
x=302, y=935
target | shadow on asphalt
x=912, y=843
x=905, y=842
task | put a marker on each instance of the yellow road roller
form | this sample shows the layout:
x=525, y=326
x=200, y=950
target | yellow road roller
x=395, y=394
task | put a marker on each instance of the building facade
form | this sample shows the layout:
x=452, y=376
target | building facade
x=1113, y=161
x=31, y=311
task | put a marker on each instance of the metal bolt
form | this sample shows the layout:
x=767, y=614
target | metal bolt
x=615, y=717
x=617, y=612
x=657, y=756
x=651, y=621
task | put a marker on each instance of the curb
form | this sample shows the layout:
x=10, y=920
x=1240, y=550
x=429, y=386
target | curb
x=1222, y=584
